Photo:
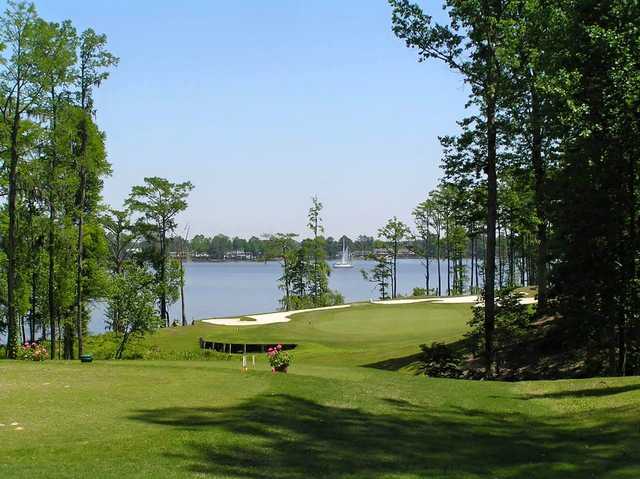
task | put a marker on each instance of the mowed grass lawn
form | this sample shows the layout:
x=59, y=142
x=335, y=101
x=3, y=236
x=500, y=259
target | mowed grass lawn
x=330, y=417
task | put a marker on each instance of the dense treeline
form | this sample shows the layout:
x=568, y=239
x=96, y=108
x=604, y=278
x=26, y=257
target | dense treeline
x=546, y=163
x=54, y=164
x=220, y=246
x=62, y=248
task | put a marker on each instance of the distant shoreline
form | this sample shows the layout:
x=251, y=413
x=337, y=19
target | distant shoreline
x=216, y=260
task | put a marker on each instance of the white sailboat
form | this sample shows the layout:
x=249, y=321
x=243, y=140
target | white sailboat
x=345, y=261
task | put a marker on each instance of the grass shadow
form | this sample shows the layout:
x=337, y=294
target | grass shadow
x=603, y=391
x=286, y=437
x=395, y=364
x=412, y=361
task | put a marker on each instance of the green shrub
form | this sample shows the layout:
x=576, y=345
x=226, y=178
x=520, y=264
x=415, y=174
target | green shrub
x=512, y=325
x=440, y=361
x=102, y=346
x=419, y=292
x=330, y=298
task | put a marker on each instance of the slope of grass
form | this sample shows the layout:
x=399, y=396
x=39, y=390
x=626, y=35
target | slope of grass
x=327, y=418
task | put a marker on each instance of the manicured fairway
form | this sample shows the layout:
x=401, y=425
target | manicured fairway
x=355, y=336
x=328, y=418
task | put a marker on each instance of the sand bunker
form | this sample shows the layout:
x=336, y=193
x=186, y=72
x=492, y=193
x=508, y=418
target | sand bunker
x=267, y=318
x=402, y=301
x=285, y=316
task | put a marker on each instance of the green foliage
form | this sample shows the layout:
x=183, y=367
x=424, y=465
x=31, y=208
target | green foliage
x=380, y=274
x=158, y=202
x=305, y=272
x=419, y=292
x=512, y=325
x=548, y=157
x=440, y=361
x=595, y=234
x=131, y=305
x=311, y=264
x=328, y=298
x=94, y=61
x=121, y=235
x=54, y=165
x=394, y=232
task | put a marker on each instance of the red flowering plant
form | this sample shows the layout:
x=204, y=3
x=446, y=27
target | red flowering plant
x=279, y=358
x=32, y=352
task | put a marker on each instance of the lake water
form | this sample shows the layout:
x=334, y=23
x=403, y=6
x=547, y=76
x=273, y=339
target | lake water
x=239, y=288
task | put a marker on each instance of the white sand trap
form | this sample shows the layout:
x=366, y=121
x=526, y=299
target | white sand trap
x=448, y=300
x=457, y=299
x=471, y=299
x=402, y=301
x=268, y=318
x=474, y=299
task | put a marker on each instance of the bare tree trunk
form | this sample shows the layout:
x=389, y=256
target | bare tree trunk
x=511, y=253
x=523, y=264
x=24, y=333
x=121, y=346
x=426, y=260
x=287, y=278
x=477, y=255
x=68, y=340
x=500, y=265
x=59, y=325
x=12, y=267
x=539, y=171
x=439, y=270
x=51, y=235
x=32, y=313
x=448, y=259
x=490, y=259
x=473, y=246
x=630, y=292
x=163, y=276
x=394, y=289
x=79, y=260
x=51, y=300
x=184, y=317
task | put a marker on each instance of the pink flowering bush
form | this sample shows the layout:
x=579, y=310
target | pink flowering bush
x=278, y=358
x=32, y=352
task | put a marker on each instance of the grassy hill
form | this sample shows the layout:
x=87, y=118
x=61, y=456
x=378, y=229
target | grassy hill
x=329, y=417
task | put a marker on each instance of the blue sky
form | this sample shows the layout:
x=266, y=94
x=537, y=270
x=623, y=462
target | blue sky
x=262, y=104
